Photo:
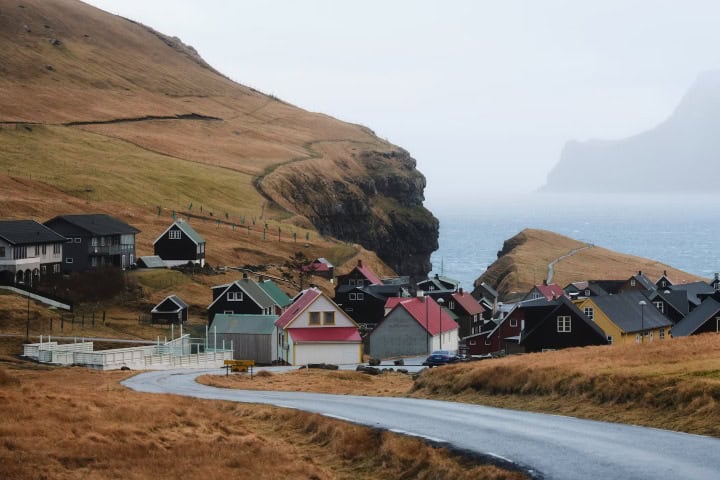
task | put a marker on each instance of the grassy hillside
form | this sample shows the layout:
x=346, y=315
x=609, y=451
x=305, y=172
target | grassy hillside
x=523, y=262
x=121, y=118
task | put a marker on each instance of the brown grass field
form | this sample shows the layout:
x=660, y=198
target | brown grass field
x=74, y=423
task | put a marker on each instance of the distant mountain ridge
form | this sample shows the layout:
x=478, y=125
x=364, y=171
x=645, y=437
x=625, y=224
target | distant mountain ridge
x=679, y=155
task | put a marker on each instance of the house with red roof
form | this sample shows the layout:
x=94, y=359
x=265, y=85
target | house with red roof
x=320, y=267
x=468, y=311
x=314, y=329
x=413, y=326
x=359, y=276
x=548, y=291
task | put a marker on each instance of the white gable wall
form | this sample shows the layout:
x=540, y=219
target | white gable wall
x=321, y=304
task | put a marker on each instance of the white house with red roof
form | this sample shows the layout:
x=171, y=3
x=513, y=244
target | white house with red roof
x=315, y=330
x=548, y=291
x=413, y=326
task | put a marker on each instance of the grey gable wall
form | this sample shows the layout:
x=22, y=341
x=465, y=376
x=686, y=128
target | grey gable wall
x=399, y=334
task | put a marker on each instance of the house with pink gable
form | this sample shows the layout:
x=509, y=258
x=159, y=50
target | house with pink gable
x=314, y=329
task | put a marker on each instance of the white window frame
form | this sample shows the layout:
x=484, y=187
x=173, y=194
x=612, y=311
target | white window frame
x=77, y=240
x=351, y=282
x=662, y=334
x=69, y=260
x=632, y=282
x=610, y=339
x=360, y=296
x=589, y=313
x=234, y=296
x=564, y=324
x=56, y=268
x=352, y=297
x=513, y=322
x=174, y=234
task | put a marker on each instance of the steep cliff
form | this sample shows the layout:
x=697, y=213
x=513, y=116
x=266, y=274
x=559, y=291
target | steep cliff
x=79, y=85
x=679, y=155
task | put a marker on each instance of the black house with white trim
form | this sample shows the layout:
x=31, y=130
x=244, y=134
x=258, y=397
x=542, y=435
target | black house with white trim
x=242, y=297
x=170, y=310
x=180, y=244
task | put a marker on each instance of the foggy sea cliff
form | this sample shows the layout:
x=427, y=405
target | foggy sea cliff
x=679, y=230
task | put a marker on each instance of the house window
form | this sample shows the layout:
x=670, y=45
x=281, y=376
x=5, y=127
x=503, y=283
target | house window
x=56, y=268
x=535, y=295
x=314, y=318
x=351, y=282
x=37, y=250
x=663, y=283
x=69, y=260
x=2, y=251
x=587, y=292
x=451, y=305
x=328, y=318
x=228, y=312
x=564, y=324
x=20, y=252
x=637, y=338
x=610, y=339
x=352, y=296
x=488, y=341
x=472, y=342
x=174, y=234
x=361, y=296
x=43, y=269
x=589, y=313
x=44, y=249
x=359, y=283
x=717, y=325
x=632, y=282
x=513, y=322
x=660, y=306
x=662, y=334
x=93, y=241
x=77, y=240
x=93, y=261
x=56, y=248
x=235, y=296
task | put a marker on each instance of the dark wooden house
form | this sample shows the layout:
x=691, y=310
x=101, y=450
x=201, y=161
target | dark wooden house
x=180, y=244
x=171, y=310
x=95, y=240
x=469, y=313
x=703, y=319
x=242, y=297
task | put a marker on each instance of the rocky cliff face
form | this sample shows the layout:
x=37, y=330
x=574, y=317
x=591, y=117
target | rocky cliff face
x=680, y=154
x=375, y=198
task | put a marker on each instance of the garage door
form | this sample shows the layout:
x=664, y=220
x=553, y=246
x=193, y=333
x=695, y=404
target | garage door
x=335, y=353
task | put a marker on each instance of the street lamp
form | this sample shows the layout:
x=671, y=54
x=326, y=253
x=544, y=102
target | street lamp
x=440, y=304
x=427, y=323
x=642, y=304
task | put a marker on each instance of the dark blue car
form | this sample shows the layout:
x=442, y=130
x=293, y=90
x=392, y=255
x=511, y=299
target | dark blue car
x=440, y=357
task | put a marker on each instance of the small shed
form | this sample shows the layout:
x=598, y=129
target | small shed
x=171, y=310
x=151, y=261
x=253, y=337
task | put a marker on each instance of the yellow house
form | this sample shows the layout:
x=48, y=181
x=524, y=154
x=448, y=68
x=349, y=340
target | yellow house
x=627, y=317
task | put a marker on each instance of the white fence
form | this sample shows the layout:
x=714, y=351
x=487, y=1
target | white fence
x=147, y=357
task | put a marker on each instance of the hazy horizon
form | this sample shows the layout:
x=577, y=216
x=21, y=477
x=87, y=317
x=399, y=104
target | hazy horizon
x=483, y=94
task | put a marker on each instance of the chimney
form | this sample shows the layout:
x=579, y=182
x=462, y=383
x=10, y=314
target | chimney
x=717, y=276
x=400, y=292
x=461, y=292
x=545, y=282
x=639, y=272
x=359, y=262
x=665, y=272
x=437, y=275
x=245, y=275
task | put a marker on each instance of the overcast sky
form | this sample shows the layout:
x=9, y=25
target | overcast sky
x=483, y=94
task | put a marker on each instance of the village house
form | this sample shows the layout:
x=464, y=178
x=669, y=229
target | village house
x=438, y=284
x=705, y=318
x=280, y=298
x=241, y=297
x=315, y=330
x=413, y=326
x=180, y=244
x=663, y=281
x=671, y=303
x=547, y=291
x=252, y=337
x=696, y=292
x=170, y=310
x=469, y=312
x=626, y=317
x=94, y=240
x=638, y=282
x=538, y=325
x=28, y=251
x=487, y=297
x=320, y=267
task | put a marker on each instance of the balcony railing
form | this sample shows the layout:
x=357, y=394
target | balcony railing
x=111, y=249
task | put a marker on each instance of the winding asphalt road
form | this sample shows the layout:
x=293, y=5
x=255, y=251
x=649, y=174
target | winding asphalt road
x=546, y=446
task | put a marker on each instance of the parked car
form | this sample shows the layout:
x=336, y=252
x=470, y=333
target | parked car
x=440, y=357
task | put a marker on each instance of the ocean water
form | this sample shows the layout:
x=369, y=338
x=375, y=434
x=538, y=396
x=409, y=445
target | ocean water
x=681, y=231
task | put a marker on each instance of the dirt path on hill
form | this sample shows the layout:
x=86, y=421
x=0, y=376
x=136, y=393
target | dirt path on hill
x=551, y=265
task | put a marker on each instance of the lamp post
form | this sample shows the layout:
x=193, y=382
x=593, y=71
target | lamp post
x=440, y=304
x=642, y=304
x=427, y=323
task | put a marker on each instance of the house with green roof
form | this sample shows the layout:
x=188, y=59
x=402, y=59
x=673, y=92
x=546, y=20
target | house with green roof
x=281, y=299
x=180, y=244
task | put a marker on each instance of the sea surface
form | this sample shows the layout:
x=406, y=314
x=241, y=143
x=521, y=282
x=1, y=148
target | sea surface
x=681, y=230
